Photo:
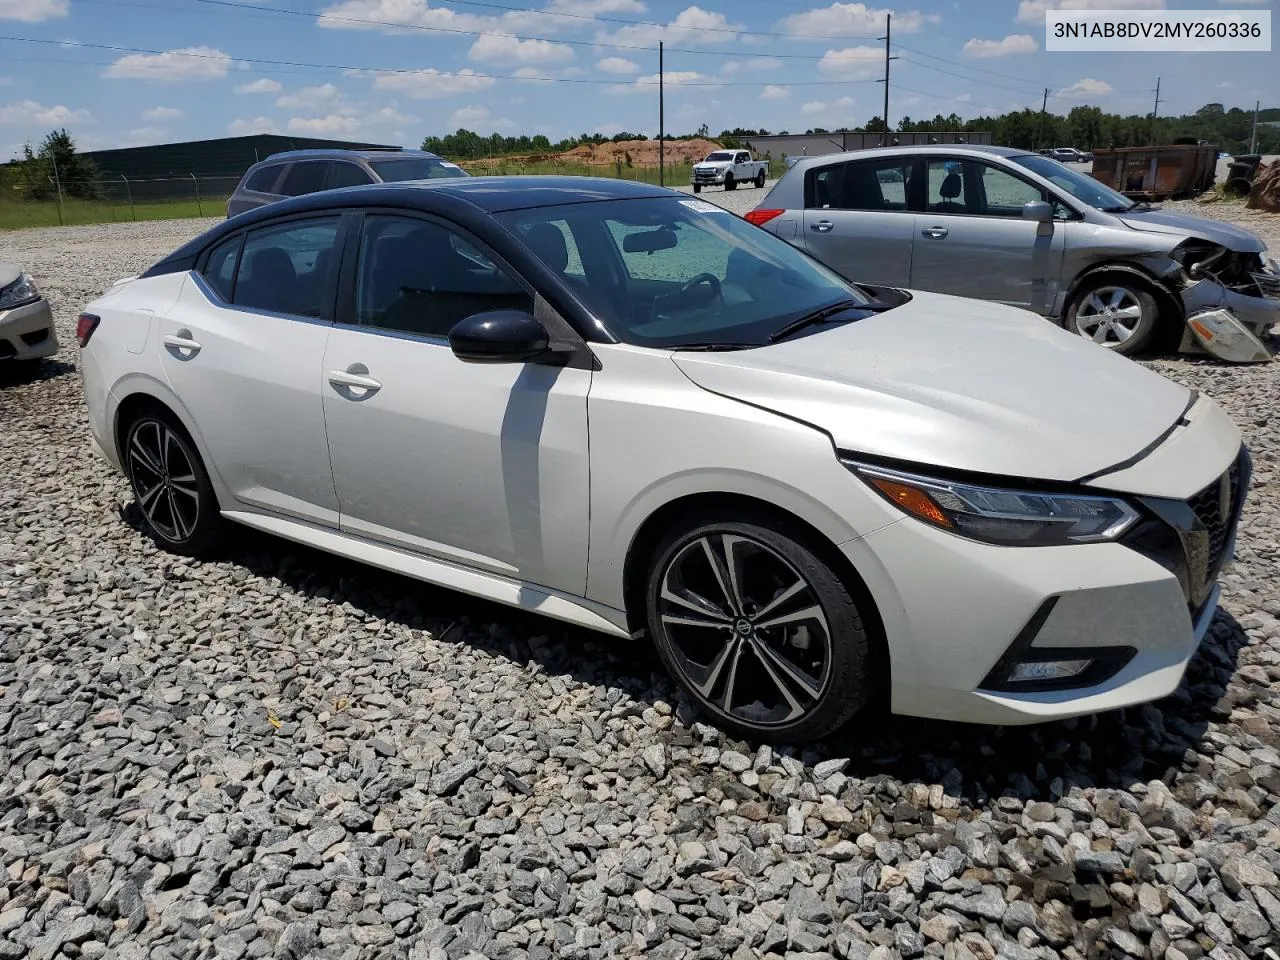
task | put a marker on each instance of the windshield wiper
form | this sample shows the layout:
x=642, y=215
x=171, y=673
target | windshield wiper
x=822, y=314
x=715, y=345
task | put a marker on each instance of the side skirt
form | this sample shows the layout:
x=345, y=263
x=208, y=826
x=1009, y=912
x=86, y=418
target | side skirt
x=512, y=593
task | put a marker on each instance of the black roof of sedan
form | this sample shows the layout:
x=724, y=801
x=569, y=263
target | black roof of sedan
x=461, y=198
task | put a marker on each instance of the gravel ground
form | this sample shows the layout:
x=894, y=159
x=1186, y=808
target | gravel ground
x=278, y=753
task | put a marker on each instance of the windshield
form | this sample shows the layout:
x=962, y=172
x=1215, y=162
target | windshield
x=415, y=168
x=1080, y=185
x=721, y=155
x=665, y=272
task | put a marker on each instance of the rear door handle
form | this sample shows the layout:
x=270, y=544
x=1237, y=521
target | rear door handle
x=822, y=226
x=181, y=342
x=937, y=233
x=357, y=376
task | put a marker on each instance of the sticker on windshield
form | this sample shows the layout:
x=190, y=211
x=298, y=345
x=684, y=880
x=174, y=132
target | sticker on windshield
x=451, y=166
x=701, y=206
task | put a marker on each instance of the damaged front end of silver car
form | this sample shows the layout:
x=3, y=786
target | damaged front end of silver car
x=1229, y=300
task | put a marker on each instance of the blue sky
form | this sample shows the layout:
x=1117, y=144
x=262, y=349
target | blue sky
x=395, y=70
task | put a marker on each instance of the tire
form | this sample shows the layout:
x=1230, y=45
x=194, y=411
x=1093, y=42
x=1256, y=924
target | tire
x=1116, y=311
x=805, y=677
x=697, y=188
x=729, y=183
x=760, y=180
x=179, y=508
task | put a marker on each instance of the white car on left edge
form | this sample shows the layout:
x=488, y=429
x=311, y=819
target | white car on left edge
x=26, y=322
x=628, y=409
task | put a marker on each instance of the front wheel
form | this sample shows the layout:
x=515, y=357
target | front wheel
x=697, y=188
x=729, y=184
x=1114, y=312
x=758, y=629
x=171, y=485
x=760, y=180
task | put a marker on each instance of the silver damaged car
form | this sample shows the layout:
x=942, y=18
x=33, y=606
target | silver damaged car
x=1000, y=224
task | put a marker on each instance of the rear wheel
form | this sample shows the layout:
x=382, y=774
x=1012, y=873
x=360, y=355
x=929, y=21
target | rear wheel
x=760, y=180
x=1116, y=312
x=758, y=629
x=171, y=485
x=729, y=183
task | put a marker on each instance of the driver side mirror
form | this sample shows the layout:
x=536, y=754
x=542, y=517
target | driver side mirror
x=499, y=336
x=1037, y=211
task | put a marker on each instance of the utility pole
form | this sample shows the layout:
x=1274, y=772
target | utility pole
x=1044, y=106
x=1155, y=109
x=1253, y=137
x=662, y=169
x=888, y=32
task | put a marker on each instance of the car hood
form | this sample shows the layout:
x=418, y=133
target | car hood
x=958, y=384
x=9, y=272
x=713, y=164
x=1162, y=221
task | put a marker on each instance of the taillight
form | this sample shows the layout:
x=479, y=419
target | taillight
x=85, y=326
x=761, y=217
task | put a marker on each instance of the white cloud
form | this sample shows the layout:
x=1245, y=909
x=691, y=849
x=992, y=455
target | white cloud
x=494, y=49
x=1087, y=87
x=852, y=62
x=772, y=92
x=812, y=107
x=432, y=84
x=264, y=85
x=851, y=20
x=835, y=110
x=310, y=96
x=617, y=65
x=390, y=115
x=245, y=127
x=1013, y=43
x=1032, y=11
x=593, y=8
x=670, y=79
x=33, y=11
x=479, y=117
x=162, y=113
x=402, y=16
x=188, y=63
x=692, y=23
x=32, y=113
x=326, y=126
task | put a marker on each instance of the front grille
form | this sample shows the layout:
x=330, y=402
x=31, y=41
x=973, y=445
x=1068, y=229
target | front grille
x=1268, y=284
x=1191, y=538
x=1216, y=507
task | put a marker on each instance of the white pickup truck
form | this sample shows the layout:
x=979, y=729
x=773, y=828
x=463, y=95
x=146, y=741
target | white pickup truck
x=728, y=168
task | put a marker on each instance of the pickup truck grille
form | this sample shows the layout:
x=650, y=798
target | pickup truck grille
x=704, y=176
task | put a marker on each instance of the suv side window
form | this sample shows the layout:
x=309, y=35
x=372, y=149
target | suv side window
x=305, y=176
x=344, y=173
x=290, y=268
x=420, y=277
x=220, y=269
x=263, y=179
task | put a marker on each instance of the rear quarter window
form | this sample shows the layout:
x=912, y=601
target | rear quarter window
x=263, y=179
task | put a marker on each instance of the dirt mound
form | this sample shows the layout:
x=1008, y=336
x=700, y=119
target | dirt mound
x=641, y=153
x=1265, y=193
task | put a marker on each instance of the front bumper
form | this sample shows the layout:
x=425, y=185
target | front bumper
x=1255, y=316
x=954, y=610
x=27, y=332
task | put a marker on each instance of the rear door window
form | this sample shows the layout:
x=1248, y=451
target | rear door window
x=290, y=268
x=306, y=176
x=343, y=173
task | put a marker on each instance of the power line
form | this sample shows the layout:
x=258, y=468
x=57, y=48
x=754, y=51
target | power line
x=391, y=24
x=465, y=73
x=951, y=73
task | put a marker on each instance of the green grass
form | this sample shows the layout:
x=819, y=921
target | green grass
x=15, y=216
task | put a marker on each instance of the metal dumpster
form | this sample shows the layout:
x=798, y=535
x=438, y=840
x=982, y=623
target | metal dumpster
x=1157, y=173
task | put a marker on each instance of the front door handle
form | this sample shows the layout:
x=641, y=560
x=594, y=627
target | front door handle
x=822, y=226
x=182, y=344
x=357, y=376
x=936, y=233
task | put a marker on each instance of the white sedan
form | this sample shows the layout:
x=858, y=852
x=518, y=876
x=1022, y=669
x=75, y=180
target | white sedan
x=628, y=409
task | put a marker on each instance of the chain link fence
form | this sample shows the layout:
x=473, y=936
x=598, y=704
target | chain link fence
x=117, y=198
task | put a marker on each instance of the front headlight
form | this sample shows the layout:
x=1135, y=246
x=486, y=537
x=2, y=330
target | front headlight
x=21, y=291
x=1013, y=518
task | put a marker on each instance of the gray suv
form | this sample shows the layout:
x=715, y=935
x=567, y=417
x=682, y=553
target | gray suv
x=1000, y=224
x=295, y=172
